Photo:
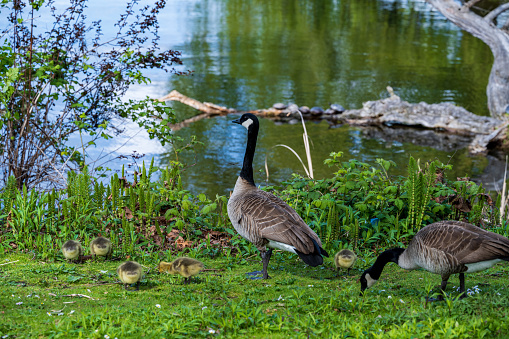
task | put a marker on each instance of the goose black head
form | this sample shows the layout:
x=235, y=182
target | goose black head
x=247, y=120
x=366, y=281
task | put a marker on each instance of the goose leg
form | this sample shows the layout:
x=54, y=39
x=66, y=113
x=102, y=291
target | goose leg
x=462, y=286
x=443, y=285
x=265, y=260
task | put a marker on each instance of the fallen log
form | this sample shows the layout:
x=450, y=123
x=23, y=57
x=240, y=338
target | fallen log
x=392, y=111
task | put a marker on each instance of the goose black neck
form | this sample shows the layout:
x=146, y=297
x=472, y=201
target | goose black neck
x=383, y=259
x=247, y=167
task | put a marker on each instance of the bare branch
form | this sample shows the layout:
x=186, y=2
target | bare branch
x=496, y=12
x=469, y=5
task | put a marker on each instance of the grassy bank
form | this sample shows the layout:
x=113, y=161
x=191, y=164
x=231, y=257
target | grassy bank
x=298, y=301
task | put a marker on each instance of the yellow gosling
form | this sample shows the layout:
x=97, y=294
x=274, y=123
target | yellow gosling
x=186, y=267
x=130, y=272
x=72, y=250
x=345, y=259
x=101, y=246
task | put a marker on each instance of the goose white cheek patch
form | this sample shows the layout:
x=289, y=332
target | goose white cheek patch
x=247, y=123
x=370, y=280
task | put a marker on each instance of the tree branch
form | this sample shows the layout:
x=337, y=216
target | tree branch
x=469, y=4
x=496, y=12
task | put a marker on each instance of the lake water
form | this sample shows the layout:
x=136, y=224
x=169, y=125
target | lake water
x=250, y=54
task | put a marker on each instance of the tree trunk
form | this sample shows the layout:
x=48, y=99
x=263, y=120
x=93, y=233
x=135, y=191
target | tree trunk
x=496, y=38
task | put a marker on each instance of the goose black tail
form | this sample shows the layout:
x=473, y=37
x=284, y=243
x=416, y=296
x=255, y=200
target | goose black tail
x=313, y=259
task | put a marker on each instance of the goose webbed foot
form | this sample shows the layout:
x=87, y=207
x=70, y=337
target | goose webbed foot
x=256, y=275
x=438, y=298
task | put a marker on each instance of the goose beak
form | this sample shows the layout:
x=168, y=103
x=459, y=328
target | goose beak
x=237, y=121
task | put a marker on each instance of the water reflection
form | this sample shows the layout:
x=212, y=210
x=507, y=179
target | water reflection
x=251, y=54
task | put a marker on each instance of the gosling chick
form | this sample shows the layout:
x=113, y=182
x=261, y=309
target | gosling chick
x=186, y=267
x=101, y=246
x=130, y=272
x=345, y=259
x=72, y=250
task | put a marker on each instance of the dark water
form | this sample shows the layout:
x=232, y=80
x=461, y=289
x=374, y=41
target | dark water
x=252, y=54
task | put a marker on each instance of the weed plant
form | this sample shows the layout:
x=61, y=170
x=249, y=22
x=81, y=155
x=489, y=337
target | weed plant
x=360, y=206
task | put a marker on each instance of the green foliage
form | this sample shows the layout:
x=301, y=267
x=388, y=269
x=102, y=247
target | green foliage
x=364, y=206
x=418, y=186
x=359, y=207
x=136, y=216
x=63, y=81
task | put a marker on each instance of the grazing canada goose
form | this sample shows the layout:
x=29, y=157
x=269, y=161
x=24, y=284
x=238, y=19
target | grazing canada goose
x=101, y=246
x=186, y=267
x=445, y=248
x=345, y=259
x=72, y=250
x=264, y=219
x=130, y=272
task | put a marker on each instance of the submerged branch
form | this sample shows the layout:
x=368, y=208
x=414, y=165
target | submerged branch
x=389, y=112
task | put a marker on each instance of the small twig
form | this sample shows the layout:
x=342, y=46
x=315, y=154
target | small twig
x=58, y=311
x=10, y=262
x=469, y=4
x=101, y=283
x=78, y=295
x=211, y=269
x=496, y=12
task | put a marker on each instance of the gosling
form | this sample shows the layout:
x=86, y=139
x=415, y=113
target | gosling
x=345, y=259
x=130, y=272
x=72, y=250
x=101, y=246
x=186, y=267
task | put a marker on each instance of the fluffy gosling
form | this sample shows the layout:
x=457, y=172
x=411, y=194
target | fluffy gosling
x=345, y=259
x=130, y=272
x=101, y=246
x=72, y=250
x=186, y=267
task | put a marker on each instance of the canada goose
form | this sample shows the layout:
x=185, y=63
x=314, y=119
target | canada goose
x=101, y=246
x=445, y=248
x=345, y=259
x=72, y=250
x=186, y=267
x=130, y=272
x=264, y=219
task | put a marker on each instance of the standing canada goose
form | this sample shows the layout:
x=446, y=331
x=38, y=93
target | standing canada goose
x=101, y=246
x=445, y=248
x=264, y=219
x=186, y=267
x=72, y=250
x=345, y=259
x=130, y=272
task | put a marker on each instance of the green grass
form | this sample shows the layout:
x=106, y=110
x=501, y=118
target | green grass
x=298, y=301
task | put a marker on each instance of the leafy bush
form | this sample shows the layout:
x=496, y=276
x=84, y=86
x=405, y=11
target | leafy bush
x=364, y=206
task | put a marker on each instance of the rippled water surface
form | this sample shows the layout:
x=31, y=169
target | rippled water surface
x=250, y=54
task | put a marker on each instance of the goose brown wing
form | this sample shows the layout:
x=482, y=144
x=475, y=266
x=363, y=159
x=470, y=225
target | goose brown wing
x=272, y=221
x=466, y=244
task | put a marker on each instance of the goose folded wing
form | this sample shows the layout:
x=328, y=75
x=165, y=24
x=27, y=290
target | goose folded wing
x=272, y=222
x=466, y=244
